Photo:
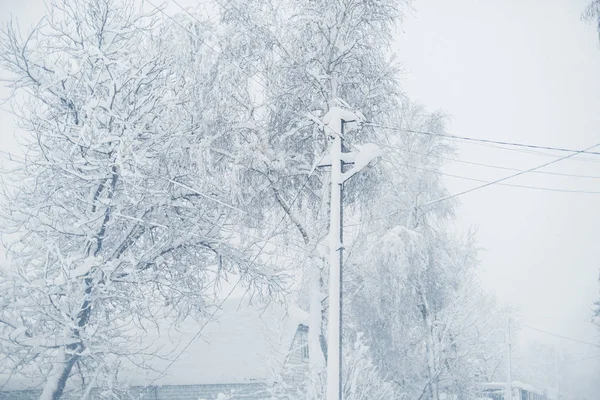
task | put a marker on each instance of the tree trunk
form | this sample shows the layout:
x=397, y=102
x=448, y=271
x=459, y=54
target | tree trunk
x=55, y=384
x=60, y=372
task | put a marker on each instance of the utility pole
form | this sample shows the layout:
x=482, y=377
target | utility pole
x=509, y=388
x=334, y=325
x=335, y=121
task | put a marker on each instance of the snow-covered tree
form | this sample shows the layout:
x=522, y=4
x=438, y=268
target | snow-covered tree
x=112, y=224
x=420, y=313
x=415, y=289
x=488, y=337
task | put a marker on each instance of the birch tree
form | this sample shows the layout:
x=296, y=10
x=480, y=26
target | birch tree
x=414, y=286
x=104, y=233
x=416, y=303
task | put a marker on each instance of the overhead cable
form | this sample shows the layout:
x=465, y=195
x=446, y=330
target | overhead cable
x=489, y=165
x=561, y=336
x=497, y=142
x=505, y=178
x=500, y=184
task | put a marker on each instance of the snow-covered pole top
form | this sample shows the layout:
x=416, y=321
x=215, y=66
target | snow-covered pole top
x=365, y=156
x=332, y=119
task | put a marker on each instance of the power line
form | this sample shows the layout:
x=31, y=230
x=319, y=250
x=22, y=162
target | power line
x=500, y=184
x=491, y=165
x=505, y=178
x=534, y=152
x=516, y=169
x=487, y=183
x=561, y=336
x=497, y=142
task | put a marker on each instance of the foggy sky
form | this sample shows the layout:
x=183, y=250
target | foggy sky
x=520, y=71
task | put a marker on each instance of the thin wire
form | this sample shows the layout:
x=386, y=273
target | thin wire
x=396, y=162
x=505, y=178
x=500, y=184
x=591, y=159
x=516, y=169
x=482, y=140
x=490, y=165
x=561, y=336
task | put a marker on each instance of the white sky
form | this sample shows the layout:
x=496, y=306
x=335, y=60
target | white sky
x=520, y=71
x=510, y=70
